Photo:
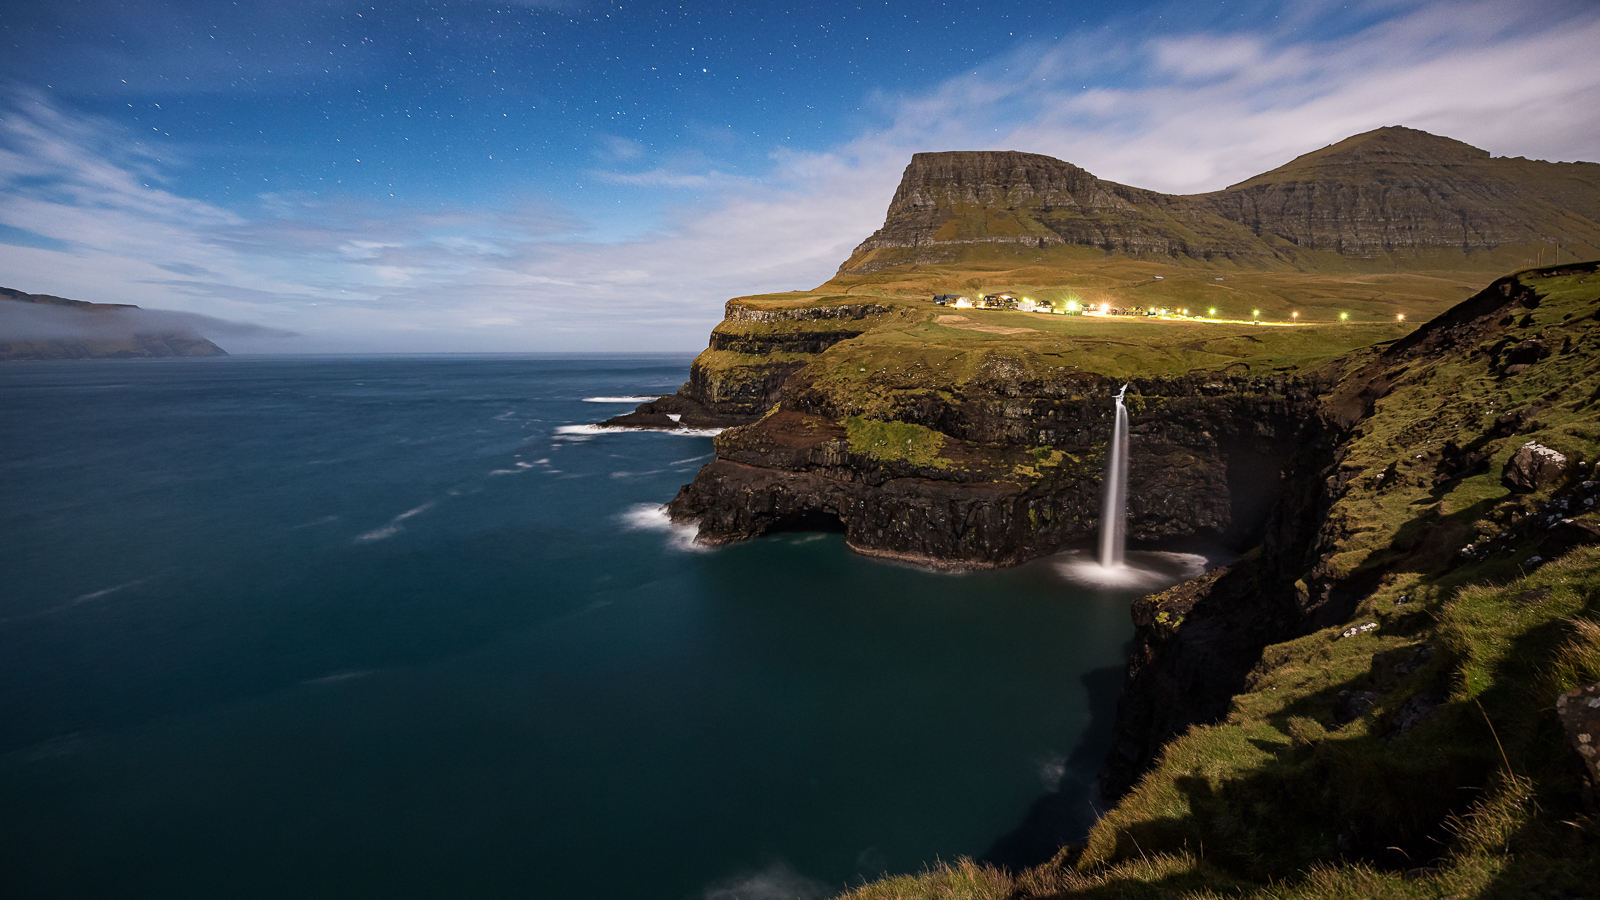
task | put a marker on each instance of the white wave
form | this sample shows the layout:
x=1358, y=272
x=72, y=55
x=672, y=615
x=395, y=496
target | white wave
x=337, y=677
x=394, y=526
x=578, y=613
x=1144, y=570
x=520, y=468
x=50, y=748
x=778, y=881
x=1051, y=770
x=675, y=417
x=325, y=520
x=621, y=399
x=75, y=601
x=584, y=432
x=653, y=517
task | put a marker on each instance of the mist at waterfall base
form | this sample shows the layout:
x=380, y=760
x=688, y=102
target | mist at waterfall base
x=386, y=627
x=1116, y=566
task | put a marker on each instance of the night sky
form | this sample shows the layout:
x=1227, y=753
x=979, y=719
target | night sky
x=426, y=176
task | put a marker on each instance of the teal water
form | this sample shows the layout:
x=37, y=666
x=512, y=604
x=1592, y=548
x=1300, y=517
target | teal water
x=374, y=627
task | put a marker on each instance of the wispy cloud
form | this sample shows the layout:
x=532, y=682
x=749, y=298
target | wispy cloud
x=1203, y=108
x=1212, y=109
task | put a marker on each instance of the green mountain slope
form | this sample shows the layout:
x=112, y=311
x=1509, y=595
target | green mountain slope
x=1393, y=199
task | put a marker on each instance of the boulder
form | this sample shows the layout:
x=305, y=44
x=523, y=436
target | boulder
x=1352, y=705
x=1579, y=711
x=1534, y=467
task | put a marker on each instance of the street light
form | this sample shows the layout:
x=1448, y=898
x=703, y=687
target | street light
x=1400, y=317
x=1343, y=316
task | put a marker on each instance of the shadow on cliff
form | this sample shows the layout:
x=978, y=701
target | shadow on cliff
x=1065, y=815
x=1422, y=786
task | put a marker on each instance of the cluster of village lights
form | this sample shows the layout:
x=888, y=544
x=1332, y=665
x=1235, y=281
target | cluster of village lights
x=1074, y=306
x=1255, y=314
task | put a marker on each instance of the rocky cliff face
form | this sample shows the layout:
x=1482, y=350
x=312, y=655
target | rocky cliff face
x=1399, y=189
x=950, y=201
x=1398, y=195
x=1012, y=475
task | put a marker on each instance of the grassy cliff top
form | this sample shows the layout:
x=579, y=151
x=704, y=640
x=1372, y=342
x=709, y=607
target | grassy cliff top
x=918, y=346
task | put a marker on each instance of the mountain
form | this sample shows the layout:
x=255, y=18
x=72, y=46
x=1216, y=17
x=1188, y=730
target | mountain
x=1391, y=199
x=41, y=326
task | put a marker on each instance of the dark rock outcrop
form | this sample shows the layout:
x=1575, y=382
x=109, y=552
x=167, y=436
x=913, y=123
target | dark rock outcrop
x=1579, y=710
x=1200, y=453
x=1534, y=467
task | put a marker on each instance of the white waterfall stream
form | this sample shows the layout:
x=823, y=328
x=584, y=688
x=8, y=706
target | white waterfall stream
x=1114, y=507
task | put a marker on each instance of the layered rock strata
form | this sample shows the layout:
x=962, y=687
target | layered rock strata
x=1013, y=477
x=752, y=353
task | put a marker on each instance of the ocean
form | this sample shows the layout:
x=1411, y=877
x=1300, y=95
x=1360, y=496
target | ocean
x=396, y=627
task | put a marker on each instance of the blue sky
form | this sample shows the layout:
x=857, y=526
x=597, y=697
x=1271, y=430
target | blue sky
x=571, y=175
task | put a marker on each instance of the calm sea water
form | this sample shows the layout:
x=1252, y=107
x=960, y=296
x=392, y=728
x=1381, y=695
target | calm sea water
x=374, y=627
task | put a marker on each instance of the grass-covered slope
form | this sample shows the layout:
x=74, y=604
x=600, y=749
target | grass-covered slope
x=1387, y=200
x=1413, y=749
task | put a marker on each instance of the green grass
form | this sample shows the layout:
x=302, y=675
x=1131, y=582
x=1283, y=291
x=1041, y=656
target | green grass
x=896, y=441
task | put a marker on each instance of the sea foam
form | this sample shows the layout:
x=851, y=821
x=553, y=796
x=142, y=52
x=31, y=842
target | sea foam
x=1141, y=569
x=394, y=526
x=653, y=517
x=621, y=399
x=584, y=432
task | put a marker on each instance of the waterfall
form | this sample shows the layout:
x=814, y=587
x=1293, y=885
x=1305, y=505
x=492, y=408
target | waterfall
x=1114, y=508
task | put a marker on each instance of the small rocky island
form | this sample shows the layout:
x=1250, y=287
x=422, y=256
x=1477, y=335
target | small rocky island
x=1383, y=695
